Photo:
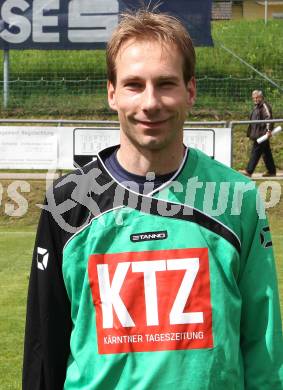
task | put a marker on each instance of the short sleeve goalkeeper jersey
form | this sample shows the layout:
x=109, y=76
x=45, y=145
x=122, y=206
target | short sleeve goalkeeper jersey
x=172, y=289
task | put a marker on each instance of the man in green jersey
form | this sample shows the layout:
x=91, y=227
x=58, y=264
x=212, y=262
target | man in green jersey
x=153, y=265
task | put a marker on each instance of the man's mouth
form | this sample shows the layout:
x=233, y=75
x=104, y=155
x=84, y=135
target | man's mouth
x=151, y=123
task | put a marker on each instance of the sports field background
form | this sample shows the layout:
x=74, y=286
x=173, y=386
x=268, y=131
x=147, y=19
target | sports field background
x=60, y=84
x=16, y=245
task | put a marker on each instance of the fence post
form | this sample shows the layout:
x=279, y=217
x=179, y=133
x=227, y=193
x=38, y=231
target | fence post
x=6, y=78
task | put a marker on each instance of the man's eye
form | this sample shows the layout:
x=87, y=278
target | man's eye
x=133, y=85
x=166, y=84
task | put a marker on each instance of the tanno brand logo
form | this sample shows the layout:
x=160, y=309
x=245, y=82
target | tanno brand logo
x=148, y=236
x=152, y=300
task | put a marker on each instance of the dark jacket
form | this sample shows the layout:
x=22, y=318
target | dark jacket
x=261, y=111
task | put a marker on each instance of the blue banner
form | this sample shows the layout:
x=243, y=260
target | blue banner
x=195, y=15
x=86, y=24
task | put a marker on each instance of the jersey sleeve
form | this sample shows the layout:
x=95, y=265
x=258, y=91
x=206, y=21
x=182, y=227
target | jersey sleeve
x=261, y=329
x=48, y=321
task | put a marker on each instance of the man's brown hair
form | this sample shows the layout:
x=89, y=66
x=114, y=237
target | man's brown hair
x=144, y=25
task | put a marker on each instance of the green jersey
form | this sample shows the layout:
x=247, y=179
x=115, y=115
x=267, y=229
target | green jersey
x=175, y=287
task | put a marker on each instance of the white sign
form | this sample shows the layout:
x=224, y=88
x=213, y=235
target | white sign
x=202, y=139
x=28, y=148
x=89, y=141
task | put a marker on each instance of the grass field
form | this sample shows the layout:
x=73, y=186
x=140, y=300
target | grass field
x=15, y=249
x=16, y=244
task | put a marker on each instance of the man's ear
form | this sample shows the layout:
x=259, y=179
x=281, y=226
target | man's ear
x=191, y=92
x=111, y=95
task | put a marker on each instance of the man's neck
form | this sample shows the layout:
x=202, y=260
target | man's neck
x=140, y=161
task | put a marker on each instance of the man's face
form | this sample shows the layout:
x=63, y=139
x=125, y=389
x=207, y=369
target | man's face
x=150, y=96
x=256, y=98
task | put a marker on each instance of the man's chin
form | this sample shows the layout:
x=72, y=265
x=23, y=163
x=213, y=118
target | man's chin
x=153, y=144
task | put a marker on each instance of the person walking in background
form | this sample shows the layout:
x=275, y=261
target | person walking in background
x=262, y=110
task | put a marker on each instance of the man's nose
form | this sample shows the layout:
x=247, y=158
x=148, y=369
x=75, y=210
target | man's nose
x=150, y=99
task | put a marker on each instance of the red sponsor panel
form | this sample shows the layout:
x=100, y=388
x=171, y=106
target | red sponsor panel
x=152, y=300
